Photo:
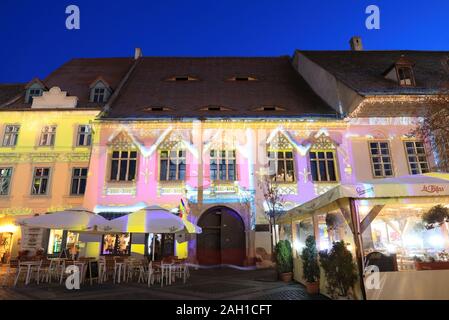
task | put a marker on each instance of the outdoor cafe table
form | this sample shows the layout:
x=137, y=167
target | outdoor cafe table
x=29, y=265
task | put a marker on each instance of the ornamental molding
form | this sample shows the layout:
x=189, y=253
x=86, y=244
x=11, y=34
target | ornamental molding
x=55, y=99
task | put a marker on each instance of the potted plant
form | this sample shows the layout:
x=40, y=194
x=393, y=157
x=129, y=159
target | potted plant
x=435, y=217
x=311, y=269
x=339, y=268
x=284, y=260
x=431, y=263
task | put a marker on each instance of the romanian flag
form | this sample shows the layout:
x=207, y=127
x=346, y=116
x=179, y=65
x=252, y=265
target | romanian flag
x=183, y=208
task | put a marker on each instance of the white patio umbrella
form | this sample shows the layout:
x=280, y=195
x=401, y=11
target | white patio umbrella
x=76, y=219
x=153, y=219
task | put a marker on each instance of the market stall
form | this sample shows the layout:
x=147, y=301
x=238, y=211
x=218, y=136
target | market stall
x=400, y=225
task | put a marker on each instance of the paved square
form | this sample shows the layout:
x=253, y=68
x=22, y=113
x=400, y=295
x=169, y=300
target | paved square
x=215, y=284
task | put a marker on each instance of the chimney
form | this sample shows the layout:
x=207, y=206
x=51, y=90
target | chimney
x=356, y=43
x=137, y=53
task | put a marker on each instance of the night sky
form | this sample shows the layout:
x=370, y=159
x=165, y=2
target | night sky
x=34, y=39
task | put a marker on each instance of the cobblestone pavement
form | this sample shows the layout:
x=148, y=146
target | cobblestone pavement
x=216, y=284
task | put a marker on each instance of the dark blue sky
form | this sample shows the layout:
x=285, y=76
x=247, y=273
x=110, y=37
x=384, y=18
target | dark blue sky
x=34, y=39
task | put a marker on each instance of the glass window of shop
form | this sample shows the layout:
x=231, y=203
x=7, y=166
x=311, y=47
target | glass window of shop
x=302, y=229
x=116, y=244
x=399, y=232
x=163, y=244
x=60, y=239
x=332, y=227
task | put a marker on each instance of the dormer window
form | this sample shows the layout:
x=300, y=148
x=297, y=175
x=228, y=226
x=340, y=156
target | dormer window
x=157, y=109
x=242, y=78
x=215, y=108
x=405, y=75
x=34, y=89
x=402, y=72
x=99, y=91
x=182, y=78
x=269, y=108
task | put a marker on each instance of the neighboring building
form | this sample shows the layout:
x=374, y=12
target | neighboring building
x=207, y=130
x=45, y=144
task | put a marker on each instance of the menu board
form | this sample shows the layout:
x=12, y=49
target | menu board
x=32, y=238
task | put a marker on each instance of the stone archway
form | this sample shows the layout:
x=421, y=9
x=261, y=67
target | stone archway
x=223, y=238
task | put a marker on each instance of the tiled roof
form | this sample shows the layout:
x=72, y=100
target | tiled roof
x=277, y=84
x=364, y=71
x=77, y=75
x=9, y=91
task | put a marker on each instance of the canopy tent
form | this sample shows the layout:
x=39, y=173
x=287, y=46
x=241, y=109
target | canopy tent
x=153, y=219
x=76, y=219
x=426, y=185
x=375, y=210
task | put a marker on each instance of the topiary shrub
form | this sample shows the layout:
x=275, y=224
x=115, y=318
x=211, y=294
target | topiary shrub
x=339, y=268
x=435, y=217
x=309, y=256
x=284, y=256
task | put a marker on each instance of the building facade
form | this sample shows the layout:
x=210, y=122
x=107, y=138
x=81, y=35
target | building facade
x=208, y=131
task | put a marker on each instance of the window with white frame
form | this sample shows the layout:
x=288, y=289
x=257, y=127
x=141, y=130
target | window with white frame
x=41, y=179
x=11, y=135
x=5, y=180
x=223, y=165
x=99, y=95
x=172, y=165
x=416, y=157
x=48, y=136
x=79, y=179
x=281, y=166
x=84, y=135
x=381, y=163
x=123, y=165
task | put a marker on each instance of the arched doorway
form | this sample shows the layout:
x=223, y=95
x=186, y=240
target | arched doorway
x=223, y=238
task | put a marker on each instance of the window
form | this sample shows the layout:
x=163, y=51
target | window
x=222, y=165
x=242, y=78
x=55, y=241
x=123, y=165
x=79, y=178
x=33, y=92
x=405, y=76
x=84, y=137
x=322, y=165
x=11, y=135
x=116, y=244
x=281, y=166
x=99, y=95
x=40, y=181
x=182, y=78
x=48, y=136
x=5, y=180
x=163, y=244
x=172, y=165
x=416, y=156
x=381, y=159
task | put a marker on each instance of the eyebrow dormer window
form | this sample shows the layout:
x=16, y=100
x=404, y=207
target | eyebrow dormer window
x=405, y=76
x=242, y=78
x=182, y=78
x=157, y=109
x=269, y=108
x=215, y=108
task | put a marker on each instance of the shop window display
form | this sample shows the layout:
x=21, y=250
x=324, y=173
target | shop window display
x=116, y=244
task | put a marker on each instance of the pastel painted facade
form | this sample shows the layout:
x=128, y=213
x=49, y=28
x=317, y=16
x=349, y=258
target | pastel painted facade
x=206, y=131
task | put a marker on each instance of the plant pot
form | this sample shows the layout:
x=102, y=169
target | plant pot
x=313, y=287
x=437, y=265
x=286, y=276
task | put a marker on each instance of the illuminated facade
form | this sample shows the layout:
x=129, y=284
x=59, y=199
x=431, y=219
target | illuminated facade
x=207, y=130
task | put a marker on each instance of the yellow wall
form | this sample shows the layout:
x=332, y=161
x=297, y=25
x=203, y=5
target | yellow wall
x=27, y=155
